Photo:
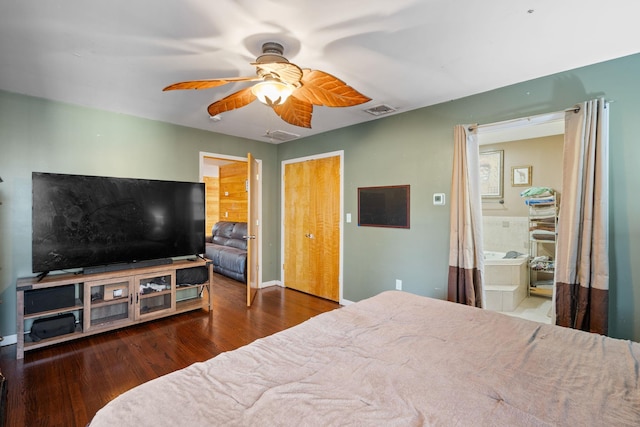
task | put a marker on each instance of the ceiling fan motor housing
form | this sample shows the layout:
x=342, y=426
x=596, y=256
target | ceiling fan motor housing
x=271, y=52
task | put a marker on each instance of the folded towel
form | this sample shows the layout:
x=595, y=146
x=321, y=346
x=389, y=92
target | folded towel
x=542, y=211
x=543, y=235
x=536, y=191
x=544, y=221
x=540, y=200
x=550, y=227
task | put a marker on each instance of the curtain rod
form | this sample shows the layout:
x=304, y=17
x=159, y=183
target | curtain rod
x=540, y=118
x=576, y=107
x=521, y=121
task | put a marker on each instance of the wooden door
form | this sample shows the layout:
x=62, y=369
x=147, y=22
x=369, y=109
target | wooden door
x=233, y=196
x=312, y=227
x=252, y=228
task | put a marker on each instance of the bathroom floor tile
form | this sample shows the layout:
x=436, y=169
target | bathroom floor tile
x=533, y=308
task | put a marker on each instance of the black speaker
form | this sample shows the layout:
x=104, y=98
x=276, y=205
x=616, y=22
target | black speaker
x=38, y=300
x=126, y=266
x=192, y=276
x=53, y=326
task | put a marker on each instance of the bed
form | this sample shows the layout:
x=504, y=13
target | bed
x=398, y=359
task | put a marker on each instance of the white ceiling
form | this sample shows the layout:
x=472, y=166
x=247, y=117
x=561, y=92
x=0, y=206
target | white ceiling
x=117, y=55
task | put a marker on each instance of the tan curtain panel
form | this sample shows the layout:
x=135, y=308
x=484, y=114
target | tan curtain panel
x=466, y=258
x=582, y=261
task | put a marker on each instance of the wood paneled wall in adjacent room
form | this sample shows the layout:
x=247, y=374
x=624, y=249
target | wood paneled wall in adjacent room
x=233, y=192
x=212, y=202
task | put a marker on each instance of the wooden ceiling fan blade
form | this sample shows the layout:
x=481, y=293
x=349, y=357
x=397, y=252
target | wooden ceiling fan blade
x=235, y=100
x=295, y=111
x=208, y=84
x=320, y=88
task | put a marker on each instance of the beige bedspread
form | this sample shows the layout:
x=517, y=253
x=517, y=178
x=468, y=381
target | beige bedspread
x=400, y=360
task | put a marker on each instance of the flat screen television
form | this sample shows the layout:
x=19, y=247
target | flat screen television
x=86, y=221
x=384, y=206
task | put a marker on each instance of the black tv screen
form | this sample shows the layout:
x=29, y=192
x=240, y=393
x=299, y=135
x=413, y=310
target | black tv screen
x=384, y=206
x=84, y=221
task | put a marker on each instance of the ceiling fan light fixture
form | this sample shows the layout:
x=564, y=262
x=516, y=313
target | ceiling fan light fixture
x=272, y=92
x=278, y=80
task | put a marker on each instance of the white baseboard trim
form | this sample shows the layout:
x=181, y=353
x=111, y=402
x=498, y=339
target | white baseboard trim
x=343, y=301
x=9, y=340
x=270, y=283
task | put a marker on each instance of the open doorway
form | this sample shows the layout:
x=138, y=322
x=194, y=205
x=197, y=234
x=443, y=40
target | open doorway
x=227, y=198
x=225, y=191
x=533, y=146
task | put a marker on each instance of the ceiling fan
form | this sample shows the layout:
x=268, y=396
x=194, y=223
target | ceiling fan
x=290, y=90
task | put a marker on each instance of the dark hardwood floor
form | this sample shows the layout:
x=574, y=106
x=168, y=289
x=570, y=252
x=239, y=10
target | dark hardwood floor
x=65, y=385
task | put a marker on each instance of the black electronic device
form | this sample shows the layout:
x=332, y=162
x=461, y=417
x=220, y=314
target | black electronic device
x=86, y=221
x=38, y=300
x=192, y=276
x=384, y=206
x=49, y=327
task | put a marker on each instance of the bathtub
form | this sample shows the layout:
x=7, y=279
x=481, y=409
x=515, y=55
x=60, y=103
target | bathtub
x=506, y=281
x=498, y=258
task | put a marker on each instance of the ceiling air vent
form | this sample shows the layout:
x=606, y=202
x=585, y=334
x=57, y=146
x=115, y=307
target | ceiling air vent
x=379, y=110
x=280, y=135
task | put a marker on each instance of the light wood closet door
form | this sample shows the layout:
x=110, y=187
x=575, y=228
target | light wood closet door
x=312, y=227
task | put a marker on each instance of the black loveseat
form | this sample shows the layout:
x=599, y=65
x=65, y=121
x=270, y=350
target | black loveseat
x=227, y=249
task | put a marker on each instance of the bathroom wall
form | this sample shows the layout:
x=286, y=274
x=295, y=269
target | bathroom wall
x=544, y=155
x=505, y=225
x=505, y=233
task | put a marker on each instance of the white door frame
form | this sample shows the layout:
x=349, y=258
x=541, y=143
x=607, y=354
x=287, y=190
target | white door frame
x=340, y=154
x=202, y=156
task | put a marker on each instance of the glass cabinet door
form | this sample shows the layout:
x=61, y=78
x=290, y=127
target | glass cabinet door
x=154, y=294
x=108, y=302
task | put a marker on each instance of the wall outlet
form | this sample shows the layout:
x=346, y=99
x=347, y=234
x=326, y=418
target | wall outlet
x=398, y=284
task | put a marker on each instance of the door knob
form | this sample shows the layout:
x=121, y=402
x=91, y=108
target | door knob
x=309, y=235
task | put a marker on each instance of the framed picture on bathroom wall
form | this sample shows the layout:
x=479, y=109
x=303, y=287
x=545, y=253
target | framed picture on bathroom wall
x=491, y=174
x=521, y=176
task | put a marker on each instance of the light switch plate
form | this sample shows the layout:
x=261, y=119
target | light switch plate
x=438, y=199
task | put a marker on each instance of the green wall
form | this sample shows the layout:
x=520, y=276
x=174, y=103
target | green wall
x=409, y=148
x=45, y=136
x=416, y=148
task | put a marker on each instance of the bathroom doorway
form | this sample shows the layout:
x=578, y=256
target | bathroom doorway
x=531, y=152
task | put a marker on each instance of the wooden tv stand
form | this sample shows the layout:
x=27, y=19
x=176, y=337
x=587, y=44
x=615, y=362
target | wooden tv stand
x=106, y=301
